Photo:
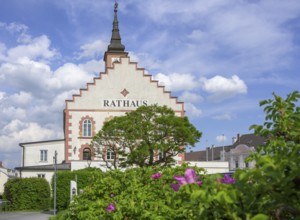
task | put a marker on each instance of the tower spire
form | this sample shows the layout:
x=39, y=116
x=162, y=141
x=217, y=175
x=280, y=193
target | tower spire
x=115, y=41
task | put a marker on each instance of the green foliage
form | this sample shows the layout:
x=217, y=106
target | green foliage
x=136, y=194
x=141, y=134
x=271, y=190
x=27, y=194
x=63, y=178
x=277, y=169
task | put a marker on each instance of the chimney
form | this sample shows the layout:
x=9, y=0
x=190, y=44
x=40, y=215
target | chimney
x=238, y=138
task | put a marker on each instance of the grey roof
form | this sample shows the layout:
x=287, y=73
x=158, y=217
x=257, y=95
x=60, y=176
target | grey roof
x=62, y=166
x=37, y=142
x=203, y=155
x=115, y=42
x=250, y=140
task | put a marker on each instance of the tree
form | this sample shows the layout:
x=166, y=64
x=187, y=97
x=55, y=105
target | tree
x=150, y=135
x=278, y=161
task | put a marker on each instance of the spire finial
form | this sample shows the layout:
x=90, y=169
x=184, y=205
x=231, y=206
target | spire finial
x=116, y=6
x=115, y=42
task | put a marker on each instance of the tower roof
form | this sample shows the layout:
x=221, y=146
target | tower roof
x=115, y=41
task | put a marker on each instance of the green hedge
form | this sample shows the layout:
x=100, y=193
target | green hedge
x=27, y=194
x=63, y=178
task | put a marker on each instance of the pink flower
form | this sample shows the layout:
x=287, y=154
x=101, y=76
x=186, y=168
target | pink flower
x=110, y=208
x=189, y=177
x=156, y=176
x=227, y=179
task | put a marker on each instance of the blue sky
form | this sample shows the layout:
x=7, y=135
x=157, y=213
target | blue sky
x=220, y=57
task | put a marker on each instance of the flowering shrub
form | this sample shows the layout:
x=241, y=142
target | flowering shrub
x=110, y=208
x=269, y=191
x=188, y=178
x=156, y=176
x=227, y=179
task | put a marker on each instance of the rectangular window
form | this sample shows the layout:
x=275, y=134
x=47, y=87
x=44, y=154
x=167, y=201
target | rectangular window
x=110, y=155
x=41, y=175
x=44, y=156
x=87, y=128
x=160, y=155
x=236, y=164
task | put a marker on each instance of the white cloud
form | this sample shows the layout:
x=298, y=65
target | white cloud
x=22, y=98
x=192, y=110
x=92, y=66
x=177, y=81
x=12, y=112
x=144, y=60
x=2, y=96
x=17, y=132
x=221, y=138
x=13, y=27
x=92, y=50
x=223, y=88
x=38, y=47
x=70, y=76
x=191, y=97
x=224, y=116
x=25, y=75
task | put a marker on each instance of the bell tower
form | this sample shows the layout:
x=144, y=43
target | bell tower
x=115, y=49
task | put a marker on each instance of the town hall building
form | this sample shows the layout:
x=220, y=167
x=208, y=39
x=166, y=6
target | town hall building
x=122, y=87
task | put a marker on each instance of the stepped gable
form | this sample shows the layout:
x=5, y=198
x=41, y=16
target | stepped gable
x=102, y=74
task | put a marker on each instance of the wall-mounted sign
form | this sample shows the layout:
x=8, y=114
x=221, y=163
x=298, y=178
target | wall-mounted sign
x=123, y=103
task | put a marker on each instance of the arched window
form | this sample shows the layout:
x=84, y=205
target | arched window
x=86, y=154
x=110, y=155
x=87, y=128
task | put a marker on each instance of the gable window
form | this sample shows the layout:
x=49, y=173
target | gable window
x=87, y=128
x=41, y=175
x=110, y=155
x=44, y=155
x=86, y=154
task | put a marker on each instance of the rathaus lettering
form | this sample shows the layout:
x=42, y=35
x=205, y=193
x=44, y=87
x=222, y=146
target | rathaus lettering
x=124, y=103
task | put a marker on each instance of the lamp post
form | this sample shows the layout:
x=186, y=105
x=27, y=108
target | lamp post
x=223, y=147
x=89, y=161
x=54, y=187
x=206, y=150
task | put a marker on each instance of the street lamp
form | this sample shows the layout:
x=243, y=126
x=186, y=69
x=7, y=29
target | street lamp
x=223, y=147
x=54, y=187
x=89, y=161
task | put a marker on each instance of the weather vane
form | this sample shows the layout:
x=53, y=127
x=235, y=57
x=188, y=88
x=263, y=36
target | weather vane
x=116, y=5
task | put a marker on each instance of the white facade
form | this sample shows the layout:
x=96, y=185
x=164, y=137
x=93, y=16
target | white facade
x=238, y=155
x=212, y=167
x=47, y=174
x=42, y=152
x=121, y=89
x=5, y=174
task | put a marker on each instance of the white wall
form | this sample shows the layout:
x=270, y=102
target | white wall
x=212, y=166
x=3, y=179
x=48, y=174
x=31, y=152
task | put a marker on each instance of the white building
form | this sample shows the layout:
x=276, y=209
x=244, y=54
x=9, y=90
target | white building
x=212, y=167
x=5, y=174
x=122, y=87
